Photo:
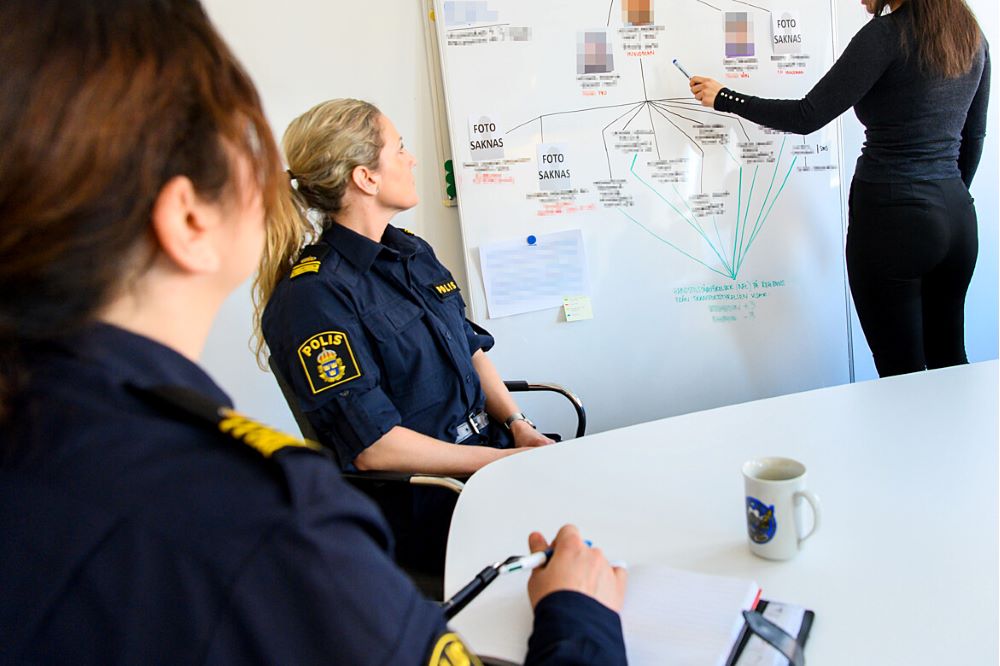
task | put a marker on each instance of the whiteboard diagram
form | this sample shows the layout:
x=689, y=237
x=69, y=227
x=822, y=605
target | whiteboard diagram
x=715, y=245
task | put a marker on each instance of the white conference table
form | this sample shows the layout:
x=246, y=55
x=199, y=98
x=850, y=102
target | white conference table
x=904, y=568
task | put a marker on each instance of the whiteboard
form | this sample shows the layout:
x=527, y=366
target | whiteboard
x=714, y=246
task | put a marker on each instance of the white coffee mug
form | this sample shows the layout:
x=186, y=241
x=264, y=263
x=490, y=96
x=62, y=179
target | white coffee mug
x=774, y=488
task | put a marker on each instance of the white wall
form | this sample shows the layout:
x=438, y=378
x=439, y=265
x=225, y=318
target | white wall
x=301, y=52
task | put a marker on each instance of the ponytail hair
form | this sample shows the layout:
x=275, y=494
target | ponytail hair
x=323, y=146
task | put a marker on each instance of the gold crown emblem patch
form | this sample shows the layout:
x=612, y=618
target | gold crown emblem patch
x=331, y=367
x=327, y=360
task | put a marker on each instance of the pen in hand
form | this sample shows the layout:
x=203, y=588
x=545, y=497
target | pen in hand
x=461, y=599
x=528, y=562
x=533, y=561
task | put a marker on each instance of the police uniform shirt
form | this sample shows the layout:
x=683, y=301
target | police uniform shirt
x=135, y=533
x=374, y=335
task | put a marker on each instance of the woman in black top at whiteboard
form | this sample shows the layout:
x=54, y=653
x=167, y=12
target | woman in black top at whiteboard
x=918, y=79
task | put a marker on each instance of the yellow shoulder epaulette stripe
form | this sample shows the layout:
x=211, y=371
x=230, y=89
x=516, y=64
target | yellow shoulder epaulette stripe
x=306, y=265
x=451, y=651
x=265, y=439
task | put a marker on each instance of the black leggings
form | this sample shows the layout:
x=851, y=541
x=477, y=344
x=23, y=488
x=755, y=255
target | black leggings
x=911, y=250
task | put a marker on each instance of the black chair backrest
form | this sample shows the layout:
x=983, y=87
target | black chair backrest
x=293, y=406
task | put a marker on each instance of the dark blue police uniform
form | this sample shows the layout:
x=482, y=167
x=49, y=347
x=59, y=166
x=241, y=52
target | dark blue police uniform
x=374, y=335
x=143, y=521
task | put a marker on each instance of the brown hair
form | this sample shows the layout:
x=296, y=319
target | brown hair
x=323, y=146
x=103, y=102
x=946, y=33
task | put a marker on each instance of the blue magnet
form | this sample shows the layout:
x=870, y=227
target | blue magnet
x=532, y=240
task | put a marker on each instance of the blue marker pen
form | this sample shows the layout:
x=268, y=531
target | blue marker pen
x=679, y=66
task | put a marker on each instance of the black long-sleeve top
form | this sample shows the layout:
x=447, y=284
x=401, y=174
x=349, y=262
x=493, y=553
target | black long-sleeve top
x=918, y=126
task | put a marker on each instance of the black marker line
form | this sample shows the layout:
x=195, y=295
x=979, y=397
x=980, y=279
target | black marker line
x=478, y=27
x=739, y=2
x=721, y=115
x=674, y=113
x=559, y=113
x=633, y=117
x=610, y=7
x=718, y=9
x=656, y=141
x=701, y=181
x=604, y=138
x=690, y=138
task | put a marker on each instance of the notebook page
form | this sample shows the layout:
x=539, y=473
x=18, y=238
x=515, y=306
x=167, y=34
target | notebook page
x=671, y=617
x=683, y=618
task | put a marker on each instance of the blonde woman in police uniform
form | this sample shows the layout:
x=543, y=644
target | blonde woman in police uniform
x=143, y=521
x=369, y=328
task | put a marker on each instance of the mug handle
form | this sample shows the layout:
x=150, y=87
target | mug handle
x=814, y=505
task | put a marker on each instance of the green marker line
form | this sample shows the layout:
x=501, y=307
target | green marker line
x=675, y=209
x=754, y=236
x=664, y=240
x=726, y=148
x=700, y=228
x=694, y=218
x=694, y=225
x=780, y=188
x=756, y=223
x=739, y=204
x=742, y=230
x=715, y=223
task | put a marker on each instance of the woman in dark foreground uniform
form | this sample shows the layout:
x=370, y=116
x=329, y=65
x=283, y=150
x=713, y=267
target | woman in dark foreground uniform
x=142, y=520
x=919, y=81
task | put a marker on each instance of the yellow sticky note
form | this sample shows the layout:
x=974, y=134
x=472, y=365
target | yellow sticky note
x=577, y=308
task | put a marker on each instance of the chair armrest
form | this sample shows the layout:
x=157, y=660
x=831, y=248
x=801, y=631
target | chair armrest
x=448, y=482
x=520, y=386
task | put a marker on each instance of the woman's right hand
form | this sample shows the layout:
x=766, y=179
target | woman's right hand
x=705, y=90
x=576, y=567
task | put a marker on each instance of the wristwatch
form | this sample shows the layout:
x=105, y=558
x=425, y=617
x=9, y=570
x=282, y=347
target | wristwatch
x=517, y=416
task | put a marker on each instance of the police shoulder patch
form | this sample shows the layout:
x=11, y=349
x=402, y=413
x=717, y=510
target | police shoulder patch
x=265, y=439
x=451, y=651
x=310, y=259
x=328, y=361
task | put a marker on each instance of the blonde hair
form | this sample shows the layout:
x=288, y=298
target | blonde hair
x=323, y=146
